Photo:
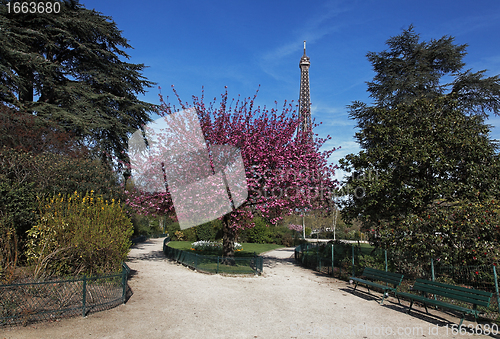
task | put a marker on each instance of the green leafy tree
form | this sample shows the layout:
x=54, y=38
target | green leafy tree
x=27, y=132
x=426, y=150
x=411, y=69
x=422, y=157
x=458, y=233
x=69, y=70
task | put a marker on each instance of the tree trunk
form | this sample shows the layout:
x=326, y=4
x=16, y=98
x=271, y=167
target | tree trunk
x=229, y=235
x=26, y=94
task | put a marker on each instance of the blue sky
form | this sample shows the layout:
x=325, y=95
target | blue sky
x=244, y=44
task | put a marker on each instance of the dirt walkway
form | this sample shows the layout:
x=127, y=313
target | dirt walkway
x=287, y=301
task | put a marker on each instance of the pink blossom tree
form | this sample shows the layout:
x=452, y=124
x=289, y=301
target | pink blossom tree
x=285, y=170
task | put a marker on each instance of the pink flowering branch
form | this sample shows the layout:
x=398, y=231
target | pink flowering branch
x=285, y=170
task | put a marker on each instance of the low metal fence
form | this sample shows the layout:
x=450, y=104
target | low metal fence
x=25, y=303
x=215, y=264
x=343, y=260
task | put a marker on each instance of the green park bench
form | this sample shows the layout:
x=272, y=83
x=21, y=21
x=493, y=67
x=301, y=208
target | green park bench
x=374, y=275
x=463, y=294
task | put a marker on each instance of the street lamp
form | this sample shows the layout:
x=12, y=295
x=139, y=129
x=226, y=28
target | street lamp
x=303, y=227
x=334, y=219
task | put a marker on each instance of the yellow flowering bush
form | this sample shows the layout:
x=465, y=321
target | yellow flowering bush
x=78, y=235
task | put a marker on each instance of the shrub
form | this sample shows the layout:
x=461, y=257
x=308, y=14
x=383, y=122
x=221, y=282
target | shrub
x=288, y=240
x=179, y=235
x=78, y=235
x=189, y=234
x=26, y=175
x=172, y=229
x=281, y=235
x=264, y=234
x=8, y=251
x=145, y=225
x=259, y=234
x=17, y=204
x=207, y=231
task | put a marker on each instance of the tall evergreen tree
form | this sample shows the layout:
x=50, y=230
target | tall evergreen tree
x=422, y=165
x=426, y=179
x=411, y=69
x=70, y=70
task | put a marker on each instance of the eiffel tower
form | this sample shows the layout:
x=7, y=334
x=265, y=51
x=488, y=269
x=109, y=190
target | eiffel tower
x=304, y=95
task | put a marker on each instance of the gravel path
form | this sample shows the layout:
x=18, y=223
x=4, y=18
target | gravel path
x=287, y=301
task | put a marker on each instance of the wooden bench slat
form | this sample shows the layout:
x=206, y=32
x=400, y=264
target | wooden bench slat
x=435, y=302
x=450, y=294
x=385, y=273
x=458, y=288
x=384, y=279
x=459, y=292
x=371, y=283
x=463, y=294
x=394, y=279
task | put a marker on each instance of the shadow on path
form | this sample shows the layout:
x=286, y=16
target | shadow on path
x=416, y=311
x=150, y=256
x=146, y=250
x=283, y=256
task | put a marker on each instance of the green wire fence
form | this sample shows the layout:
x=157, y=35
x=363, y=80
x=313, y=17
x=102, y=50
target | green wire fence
x=343, y=260
x=25, y=303
x=214, y=264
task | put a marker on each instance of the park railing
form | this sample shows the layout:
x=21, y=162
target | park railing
x=25, y=303
x=343, y=260
x=214, y=264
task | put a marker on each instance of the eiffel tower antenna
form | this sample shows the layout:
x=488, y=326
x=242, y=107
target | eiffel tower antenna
x=304, y=95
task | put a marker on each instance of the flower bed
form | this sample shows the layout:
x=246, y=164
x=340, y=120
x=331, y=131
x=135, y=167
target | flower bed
x=212, y=246
x=214, y=263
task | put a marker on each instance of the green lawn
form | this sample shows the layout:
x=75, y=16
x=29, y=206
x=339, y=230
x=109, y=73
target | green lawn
x=247, y=251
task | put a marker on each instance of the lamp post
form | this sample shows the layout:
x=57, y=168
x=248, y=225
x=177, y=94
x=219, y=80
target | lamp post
x=303, y=227
x=334, y=220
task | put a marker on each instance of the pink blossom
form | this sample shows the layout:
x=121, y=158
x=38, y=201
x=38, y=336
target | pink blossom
x=285, y=170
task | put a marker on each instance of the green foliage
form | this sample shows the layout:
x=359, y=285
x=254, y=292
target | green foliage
x=282, y=236
x=208, y=231
x=145, y=225
x=263, y=233
x=425, y=155
x=461, y=233
x=371, y=260
x=411, y=69
x=77, y=235
x=25, y=175
x=189, y=234
x=17, y=204
x=77, y=70
x=172, y=227
x=9, y=253
x=140, y=224
x=260, y=234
